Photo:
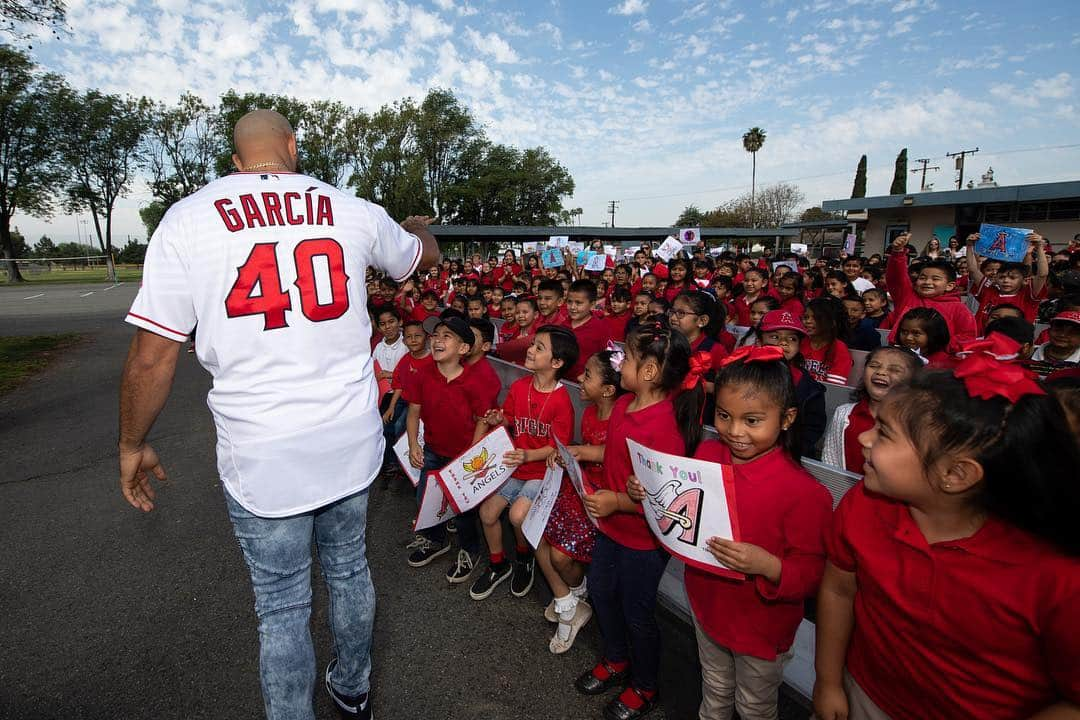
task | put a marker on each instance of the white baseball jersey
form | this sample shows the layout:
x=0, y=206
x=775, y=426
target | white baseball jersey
x=271, y=267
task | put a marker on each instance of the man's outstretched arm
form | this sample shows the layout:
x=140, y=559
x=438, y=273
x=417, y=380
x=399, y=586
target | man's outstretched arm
x=144, y=387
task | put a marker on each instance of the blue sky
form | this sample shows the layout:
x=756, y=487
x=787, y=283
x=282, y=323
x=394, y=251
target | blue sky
x=645, y=101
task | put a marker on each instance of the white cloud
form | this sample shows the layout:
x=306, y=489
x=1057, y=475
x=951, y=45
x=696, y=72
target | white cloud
x=427, y=25
x=645, y=83
x=642, y=25
x=493, y=45
x=634, y=46
x=692, y=12
x=903, y=25
x=629, y=7
x=605, y=76
x=552, y=31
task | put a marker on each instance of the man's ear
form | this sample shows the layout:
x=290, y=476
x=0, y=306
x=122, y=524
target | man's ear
x=237, y=163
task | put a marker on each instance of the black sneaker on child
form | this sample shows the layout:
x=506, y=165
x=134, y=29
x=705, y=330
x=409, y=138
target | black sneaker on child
x=522, y=582
x=356, y=706
x=426, y=551
x=462, y=569
x=486, y=583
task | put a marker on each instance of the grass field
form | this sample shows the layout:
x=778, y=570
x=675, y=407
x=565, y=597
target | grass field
x=82, y=275
x=21, y=357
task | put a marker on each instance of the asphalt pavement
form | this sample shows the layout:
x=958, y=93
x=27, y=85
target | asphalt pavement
x=109, y=613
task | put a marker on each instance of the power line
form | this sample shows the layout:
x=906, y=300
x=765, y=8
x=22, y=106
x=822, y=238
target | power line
x=960, y=164
x=925, y=163
x=612, y=204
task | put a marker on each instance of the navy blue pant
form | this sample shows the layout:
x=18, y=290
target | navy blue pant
x=622, y=587
x=467, y=533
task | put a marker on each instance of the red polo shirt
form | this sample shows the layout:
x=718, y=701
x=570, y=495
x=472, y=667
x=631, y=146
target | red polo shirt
x=617, y=325
x=654, y=427
x=449, y=409
x=592, y=337
x=407, y=369
x=982, y=627
x=784, y=510
x=990, y=297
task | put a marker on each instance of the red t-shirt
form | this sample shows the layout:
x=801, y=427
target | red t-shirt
x=982, y=627
x=421, y=313
x=655, y=428
x=617, y=325
x=859, y=421
x=450, y=409
x=594, y=431
x=794, y=306
x=821, y=368
x=407, y=369
x=592, y=336
x=783, y=509
x=990, y=297
x=535, y=418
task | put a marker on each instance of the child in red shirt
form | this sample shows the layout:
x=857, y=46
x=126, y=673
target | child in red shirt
x=570, y=535
x=753, y=283
x=954, y=567
x=924, y=330
x=745, y=628
x=537, y=410
x=661, y=411
x=694, y=314
x=825, y=356
x=592, y=333
x=933, y=288
x=617, y=313
x=1010, y=283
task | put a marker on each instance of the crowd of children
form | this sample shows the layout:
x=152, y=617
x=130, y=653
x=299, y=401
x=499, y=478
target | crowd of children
x=946, y=581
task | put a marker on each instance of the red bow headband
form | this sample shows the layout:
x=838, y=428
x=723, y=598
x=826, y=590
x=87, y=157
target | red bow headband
x=700, y=363
x=987, y=371
x=754, y=353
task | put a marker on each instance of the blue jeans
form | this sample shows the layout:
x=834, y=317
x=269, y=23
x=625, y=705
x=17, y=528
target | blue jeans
x=467, y=533
x=278, y=555
x=393, y=429
x=622, y=586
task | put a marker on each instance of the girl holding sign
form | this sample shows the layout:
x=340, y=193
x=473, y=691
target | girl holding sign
x=954, y=567
x=570, y=535
x=662, y=411
x=745, y=627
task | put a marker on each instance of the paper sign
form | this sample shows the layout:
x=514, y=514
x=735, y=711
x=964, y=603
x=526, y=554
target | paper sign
x=575, y=246
x=596, y=262
x=536, y=520
x=689, y=236
x=401, y=450
x=799, y=248
x=668, y=249
x=786, y=263
x=529, y=247
x=574, y=473
x=998, y=242
x=849, y=243
x=434, y=507
x=687, y=501
x=551, y=257
x=559, y=241
x=478, y=472
x=611, y=250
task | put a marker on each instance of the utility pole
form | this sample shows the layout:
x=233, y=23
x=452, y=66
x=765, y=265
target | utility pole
x=925, y=162
x=612, y=204
x=960, y=164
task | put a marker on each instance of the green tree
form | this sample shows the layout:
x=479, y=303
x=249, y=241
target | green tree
x=691, y=216
x=899, y=178
x=858, y=190
x=180, y=147
x=134, y=253
x=444, y=128
x=103, y=136
x=151, y=216
x=815, y=214
x=389, y=169
x=234, y=106
x=30, y=171
x=45, y=248
x=752, y=140
x=16, y=13
x=19, y=244
x=323, y=145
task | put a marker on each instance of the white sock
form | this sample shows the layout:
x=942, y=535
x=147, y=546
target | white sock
x=580, y=592
x=566, y=607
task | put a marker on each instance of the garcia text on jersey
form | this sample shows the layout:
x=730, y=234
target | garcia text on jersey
x=271, y=208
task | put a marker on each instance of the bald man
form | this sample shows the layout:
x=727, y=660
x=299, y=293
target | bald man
x=271, y=265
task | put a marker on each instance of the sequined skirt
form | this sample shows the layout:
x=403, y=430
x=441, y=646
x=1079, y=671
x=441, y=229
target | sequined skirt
x=569, y=529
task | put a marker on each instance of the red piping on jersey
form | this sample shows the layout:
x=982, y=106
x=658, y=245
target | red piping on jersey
x=416, y=259
x=163, y=327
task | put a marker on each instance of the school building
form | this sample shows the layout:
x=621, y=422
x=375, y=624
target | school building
x=1053, y=209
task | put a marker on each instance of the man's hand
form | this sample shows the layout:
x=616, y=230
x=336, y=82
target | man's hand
x=414, y=222
x=136, y=465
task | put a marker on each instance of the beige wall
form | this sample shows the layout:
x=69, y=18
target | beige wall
x=922, y=220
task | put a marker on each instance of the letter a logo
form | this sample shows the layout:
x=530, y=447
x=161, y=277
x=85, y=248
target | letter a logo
x=999, y=244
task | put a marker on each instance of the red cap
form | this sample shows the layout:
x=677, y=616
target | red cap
x=1072, y=316
x=660, y=270
x=782, y=320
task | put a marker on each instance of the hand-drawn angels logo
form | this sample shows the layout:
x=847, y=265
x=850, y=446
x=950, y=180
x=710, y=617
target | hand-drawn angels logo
x=672, y=506
x=479, y=466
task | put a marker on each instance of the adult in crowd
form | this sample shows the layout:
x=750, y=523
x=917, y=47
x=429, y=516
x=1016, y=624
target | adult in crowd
x=271, y=265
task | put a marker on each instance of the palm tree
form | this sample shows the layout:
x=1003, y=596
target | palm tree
x=752, y=140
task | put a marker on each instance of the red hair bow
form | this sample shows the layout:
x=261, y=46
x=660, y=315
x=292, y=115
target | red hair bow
x=754, y=353
x=987, y=369
x=700, y=363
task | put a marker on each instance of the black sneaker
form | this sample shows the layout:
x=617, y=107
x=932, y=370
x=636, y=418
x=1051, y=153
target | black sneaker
x=462, y=569
x=426, y=551
x=486, y=583
x=451, y=525
x=356, y=706
x=522, y=582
